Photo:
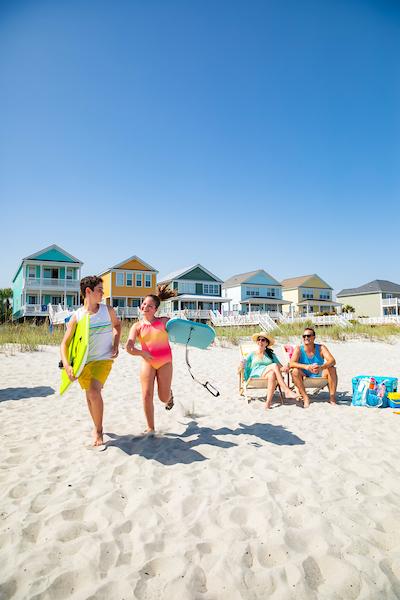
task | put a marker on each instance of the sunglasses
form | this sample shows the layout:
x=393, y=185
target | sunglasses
x=308, y=335
x=262, y=340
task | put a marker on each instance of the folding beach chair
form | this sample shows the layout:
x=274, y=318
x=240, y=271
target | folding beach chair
x=247, y=388
x=310, y=383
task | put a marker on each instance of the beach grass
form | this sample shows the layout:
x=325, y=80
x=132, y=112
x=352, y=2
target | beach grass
x=29, y=337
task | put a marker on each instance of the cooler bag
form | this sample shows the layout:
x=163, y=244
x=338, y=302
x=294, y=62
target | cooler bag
x=364, y=396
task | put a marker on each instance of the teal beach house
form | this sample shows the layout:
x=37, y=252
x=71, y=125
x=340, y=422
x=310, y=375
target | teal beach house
x=50, y=276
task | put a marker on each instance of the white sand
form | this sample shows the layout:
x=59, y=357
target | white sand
x=231, y=502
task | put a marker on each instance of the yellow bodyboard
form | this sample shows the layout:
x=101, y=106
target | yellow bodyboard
x=77, y=352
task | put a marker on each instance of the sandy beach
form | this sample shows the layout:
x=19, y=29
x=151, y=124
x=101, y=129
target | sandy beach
x=228, y=501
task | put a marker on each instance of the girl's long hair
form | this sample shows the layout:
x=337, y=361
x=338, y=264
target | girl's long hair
x=163, y=293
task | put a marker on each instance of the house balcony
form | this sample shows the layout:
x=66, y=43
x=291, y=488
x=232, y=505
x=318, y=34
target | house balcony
x=395, y=302
x=47, y=283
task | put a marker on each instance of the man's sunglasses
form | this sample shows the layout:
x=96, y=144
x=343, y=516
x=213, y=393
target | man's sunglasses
x=307, y=335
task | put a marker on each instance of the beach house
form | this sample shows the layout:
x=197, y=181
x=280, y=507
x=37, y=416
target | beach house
x=198, y=292
x=253, y=291
x=49, y=276
x=378, y=298
x=308, y=294
x=127, y=283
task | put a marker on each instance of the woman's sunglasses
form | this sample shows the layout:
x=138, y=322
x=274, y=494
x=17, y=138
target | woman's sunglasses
x=262, y=340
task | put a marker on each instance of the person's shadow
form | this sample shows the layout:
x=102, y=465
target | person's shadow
x=22, y=393
x=171, y=448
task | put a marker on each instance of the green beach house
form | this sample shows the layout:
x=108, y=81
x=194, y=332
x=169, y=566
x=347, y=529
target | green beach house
x=50, y=276
x=198, y=292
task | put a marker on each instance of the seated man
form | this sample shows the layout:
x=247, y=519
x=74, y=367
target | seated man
x=313, y=360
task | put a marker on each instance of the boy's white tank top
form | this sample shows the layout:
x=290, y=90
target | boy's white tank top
x=100, y=333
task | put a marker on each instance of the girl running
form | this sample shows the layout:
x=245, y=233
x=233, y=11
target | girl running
x=156, y=352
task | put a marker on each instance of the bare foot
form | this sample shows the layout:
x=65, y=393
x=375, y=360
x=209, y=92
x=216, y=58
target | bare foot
x=268, y=405
x=306, y=402
x=332, y=399
x=98, y=438
x=291, y=394
x=149, y=432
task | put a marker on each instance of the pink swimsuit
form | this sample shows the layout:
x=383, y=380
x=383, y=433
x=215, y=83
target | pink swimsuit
x=154, y=339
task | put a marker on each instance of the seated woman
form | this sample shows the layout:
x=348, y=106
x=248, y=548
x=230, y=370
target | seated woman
x=263, y=362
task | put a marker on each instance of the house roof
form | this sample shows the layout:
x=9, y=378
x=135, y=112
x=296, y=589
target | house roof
x=52, y=253
x=373, y=287
x=127, y=260
x=48, y=249
x=176, y=274
x=300, y=281
x=244, y=277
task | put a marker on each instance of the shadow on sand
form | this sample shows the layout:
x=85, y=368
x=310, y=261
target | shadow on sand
x=21, y=393
x=172, y=449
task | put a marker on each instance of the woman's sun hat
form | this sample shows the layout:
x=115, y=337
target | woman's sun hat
x=262, y=334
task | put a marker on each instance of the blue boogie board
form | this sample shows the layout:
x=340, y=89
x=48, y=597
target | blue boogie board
x=190, y=333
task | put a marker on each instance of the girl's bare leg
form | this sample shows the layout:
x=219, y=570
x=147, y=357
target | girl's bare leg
x=147, y=376
x=95, y=404
x=271, y=388
x=164, y=379
x=281, y=382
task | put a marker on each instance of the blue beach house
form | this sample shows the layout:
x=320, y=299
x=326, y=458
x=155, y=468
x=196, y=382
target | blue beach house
x=254, y=291
x=50, y=276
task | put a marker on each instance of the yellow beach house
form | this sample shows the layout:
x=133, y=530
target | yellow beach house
x=308, y=294
x=127, y=283
x=378, y=298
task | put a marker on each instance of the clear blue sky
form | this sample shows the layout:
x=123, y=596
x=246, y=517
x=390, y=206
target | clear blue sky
x=238, y=134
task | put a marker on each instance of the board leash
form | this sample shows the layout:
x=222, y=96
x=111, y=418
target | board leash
x=209, y=387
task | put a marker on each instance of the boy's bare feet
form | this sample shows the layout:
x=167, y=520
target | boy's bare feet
x=306, y=402
x=332, y=399
x=97, y=438
x=149, y=432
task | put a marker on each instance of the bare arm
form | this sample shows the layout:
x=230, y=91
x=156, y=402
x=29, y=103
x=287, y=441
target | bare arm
x=294, y=361
x=68, y=335
x=328, y=358
x=130, y=345
x=116, y=325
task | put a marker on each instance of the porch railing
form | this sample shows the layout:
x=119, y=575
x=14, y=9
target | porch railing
x=47, y=282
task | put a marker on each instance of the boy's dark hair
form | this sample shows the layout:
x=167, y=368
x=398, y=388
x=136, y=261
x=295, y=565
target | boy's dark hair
x=89, y=282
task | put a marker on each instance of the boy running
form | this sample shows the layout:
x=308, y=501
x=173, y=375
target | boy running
x=104, y=335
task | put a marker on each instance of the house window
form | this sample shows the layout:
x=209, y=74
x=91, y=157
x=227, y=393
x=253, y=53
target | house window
x=308, y=293
x=271, y=293
x=147, y=280
x=211, y=289
x=32, y=300
x=186, y=287
x=324, y=296
x=129, y=279
x=70, y=273
x=252, y=291
x=50, y=273
x=139, y=279
x=31, y=272
x=118, y=302
x=120, y=279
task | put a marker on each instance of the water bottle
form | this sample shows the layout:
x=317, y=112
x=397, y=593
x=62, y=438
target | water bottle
x=381, y=390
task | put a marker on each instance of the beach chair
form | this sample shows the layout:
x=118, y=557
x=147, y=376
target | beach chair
x=316, y=384
x=247, y=388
